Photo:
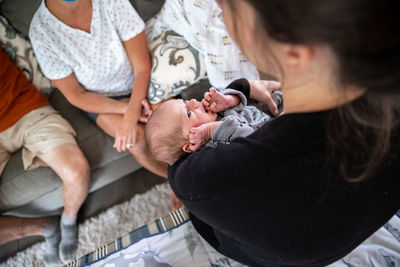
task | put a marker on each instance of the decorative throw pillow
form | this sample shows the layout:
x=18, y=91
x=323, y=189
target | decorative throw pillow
x=20, y=51
x=176, y=65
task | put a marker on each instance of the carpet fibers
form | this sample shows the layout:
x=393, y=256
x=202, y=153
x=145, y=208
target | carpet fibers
x=107, y=226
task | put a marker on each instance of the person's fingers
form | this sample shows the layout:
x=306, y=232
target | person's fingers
x=123, y=144
x=149, y=112
x=143, y=119
x=273, y=86
x=134, y=136
x=273, y=108
x=147, y=108
x=175, y=203
x=117, y=144
x=207, y=96
x=129, y=142
x=213, y=106
x=193, y=147
x=192, y=139
x=205, y=103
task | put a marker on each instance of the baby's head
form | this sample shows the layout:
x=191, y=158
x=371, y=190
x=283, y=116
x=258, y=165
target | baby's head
x=167, y=130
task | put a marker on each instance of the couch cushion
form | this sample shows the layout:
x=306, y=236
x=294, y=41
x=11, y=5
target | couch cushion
x=147, y=8
x=176, y=65
x=20, y=13
x=18, y=187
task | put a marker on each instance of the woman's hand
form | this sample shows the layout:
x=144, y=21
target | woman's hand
x=126, y=134
x=261, y=90
x=125, y=137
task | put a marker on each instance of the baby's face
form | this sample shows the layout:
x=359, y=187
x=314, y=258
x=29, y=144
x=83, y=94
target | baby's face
x=189, y=113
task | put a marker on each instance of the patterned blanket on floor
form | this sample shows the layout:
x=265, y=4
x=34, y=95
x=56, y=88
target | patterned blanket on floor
x=160, y=225
x=173, y=241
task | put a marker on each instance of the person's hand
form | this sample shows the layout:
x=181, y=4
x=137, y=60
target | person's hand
x=146, y=111
x=125, y=136
x=216, y=102
x=261, y=90
x=198, y=136
x=175, y=203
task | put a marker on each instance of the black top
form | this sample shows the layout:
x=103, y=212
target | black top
x=272, y=198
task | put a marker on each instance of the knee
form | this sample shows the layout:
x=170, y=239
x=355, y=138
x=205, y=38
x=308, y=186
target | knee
x=77, y=171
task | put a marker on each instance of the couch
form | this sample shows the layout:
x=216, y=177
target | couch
x=115, y=177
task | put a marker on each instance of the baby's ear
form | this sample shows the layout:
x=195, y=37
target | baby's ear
x=187, y=149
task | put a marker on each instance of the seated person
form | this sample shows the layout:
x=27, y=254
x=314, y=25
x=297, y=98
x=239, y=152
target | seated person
x=101, y=64
x=179, y=127
x=28, y=121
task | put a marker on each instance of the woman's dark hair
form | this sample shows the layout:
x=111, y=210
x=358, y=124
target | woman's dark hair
x=364, y=35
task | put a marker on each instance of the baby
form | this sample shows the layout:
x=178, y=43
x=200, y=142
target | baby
x=177, y=127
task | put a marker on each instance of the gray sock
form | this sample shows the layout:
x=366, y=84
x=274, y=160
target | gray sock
x=69, y=238
x=51, y=233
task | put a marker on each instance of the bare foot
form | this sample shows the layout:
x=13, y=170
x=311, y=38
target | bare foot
x=216, y=102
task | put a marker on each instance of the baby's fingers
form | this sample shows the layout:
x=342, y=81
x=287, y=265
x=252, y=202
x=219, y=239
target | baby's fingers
x=192, y=137
x=193, y=147
x=213, y=107
x=207, y=96
x=205, y=103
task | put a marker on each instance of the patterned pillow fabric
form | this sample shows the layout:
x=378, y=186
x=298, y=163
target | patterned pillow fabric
x=176, y=65
x=20, y=51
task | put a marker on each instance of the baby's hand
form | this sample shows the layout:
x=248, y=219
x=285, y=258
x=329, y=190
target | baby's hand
x=146, y=111
x=198, y=136
x=216, y=102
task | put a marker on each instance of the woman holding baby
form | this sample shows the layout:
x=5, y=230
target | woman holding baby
x=307, y=187
x=312, y=184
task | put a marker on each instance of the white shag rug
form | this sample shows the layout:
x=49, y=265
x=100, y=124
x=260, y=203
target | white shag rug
x=107, y=226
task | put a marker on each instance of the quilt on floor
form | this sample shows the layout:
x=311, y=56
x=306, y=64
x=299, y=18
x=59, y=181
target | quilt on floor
x=162, y=243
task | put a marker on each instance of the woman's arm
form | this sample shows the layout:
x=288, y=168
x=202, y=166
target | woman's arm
x=139, y=57
x=78, y=96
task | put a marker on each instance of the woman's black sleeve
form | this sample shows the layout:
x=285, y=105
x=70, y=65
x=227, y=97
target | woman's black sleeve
x=241, y=85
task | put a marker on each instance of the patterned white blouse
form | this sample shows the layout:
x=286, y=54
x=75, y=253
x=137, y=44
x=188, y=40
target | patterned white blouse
x=98, y=59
